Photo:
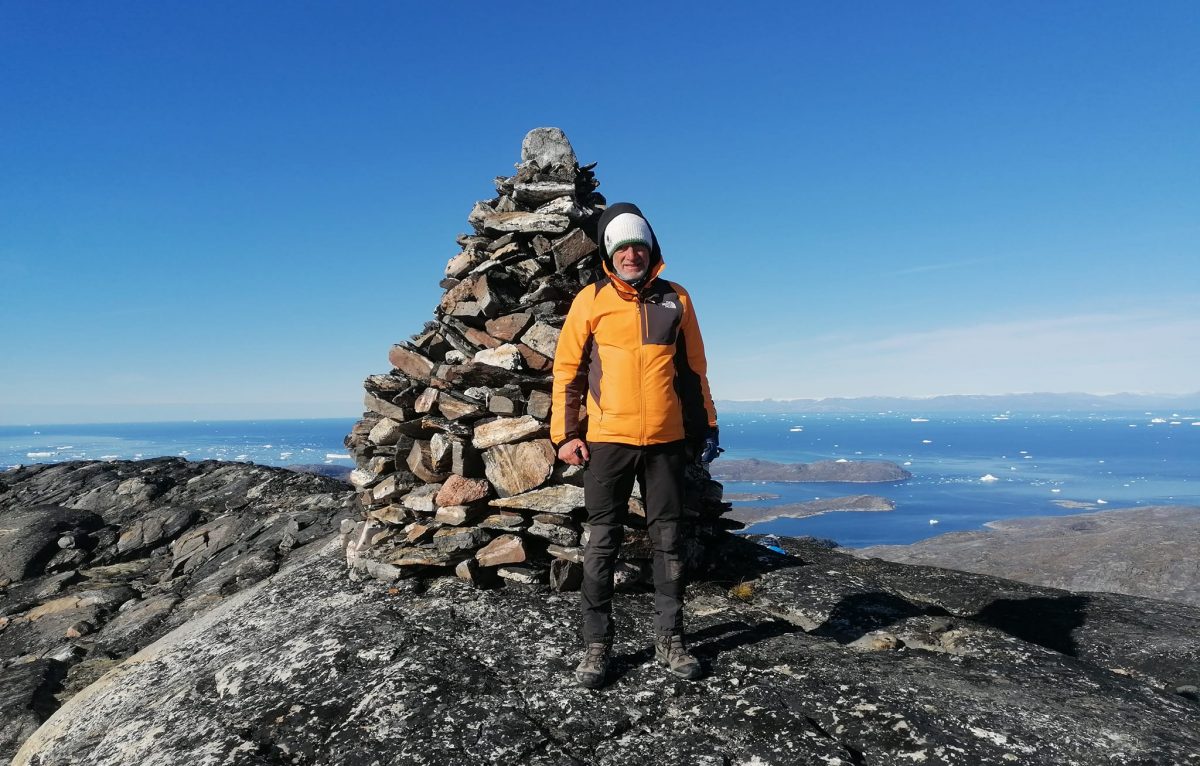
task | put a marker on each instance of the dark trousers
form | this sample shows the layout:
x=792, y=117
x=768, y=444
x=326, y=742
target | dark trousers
x=607, y=486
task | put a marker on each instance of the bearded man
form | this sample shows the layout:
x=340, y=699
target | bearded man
x=631, y=356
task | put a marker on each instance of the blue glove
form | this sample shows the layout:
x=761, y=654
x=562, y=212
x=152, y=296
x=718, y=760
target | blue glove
x=712, y=447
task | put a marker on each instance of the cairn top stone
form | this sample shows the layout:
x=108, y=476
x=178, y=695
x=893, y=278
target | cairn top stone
x=547, y=147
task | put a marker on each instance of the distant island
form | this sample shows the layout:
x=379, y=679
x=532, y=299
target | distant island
x=844, y=471
x=757, y=515
x=1031, y=402
x=747, y=497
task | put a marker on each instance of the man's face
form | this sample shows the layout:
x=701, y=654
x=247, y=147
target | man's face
x=632, y=261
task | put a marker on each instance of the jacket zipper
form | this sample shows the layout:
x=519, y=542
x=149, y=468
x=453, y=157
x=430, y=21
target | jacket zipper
x=645, y=316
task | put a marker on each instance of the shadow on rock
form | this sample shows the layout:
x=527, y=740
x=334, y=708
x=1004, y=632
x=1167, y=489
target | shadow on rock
x=860, y=613
x=738, y=558
x=709, y=642
x=1047, y=622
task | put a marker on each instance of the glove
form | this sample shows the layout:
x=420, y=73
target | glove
x=712, y=447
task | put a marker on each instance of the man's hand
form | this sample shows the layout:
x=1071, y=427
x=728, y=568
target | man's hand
x=574, y=452
x=711, y=449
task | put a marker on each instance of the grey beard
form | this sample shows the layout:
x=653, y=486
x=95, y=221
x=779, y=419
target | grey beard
x=633, y=281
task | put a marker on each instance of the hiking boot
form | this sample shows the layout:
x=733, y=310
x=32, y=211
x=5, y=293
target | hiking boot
x=593, y=668
x=671, y=653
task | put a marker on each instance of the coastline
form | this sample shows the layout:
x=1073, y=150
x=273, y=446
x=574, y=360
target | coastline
x=755, y=516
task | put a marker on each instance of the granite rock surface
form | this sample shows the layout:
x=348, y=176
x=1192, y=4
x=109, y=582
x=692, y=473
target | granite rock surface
x=100, y=559
x=813, y=656
x=1147, y=551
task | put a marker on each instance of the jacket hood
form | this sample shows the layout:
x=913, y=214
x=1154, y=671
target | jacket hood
x=612, y=212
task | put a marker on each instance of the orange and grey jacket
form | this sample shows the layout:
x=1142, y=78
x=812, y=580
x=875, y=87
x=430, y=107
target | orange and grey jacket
x=637, y=356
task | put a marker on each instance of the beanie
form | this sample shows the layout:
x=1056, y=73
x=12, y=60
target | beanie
x=627, y=229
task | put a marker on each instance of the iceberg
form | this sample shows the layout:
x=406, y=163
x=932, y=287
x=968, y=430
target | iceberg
x=926, y=441
x=919, y=420
x=336, y=456
x=988, y=477
x=933, y=521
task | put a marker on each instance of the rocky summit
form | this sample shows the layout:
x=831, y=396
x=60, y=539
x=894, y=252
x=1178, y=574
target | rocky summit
x=99, y=559
x=812, y=656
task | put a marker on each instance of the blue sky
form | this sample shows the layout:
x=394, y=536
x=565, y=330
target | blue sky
x=233, y=209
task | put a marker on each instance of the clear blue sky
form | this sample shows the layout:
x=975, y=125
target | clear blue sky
x=233, y=209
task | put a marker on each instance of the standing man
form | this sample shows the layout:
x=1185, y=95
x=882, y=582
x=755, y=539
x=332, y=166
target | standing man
x=631, y=347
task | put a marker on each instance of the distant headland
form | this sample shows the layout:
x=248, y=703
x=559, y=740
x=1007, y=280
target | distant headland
x=749, y=515
x=842, y=471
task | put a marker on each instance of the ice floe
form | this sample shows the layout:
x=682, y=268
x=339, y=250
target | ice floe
x=988, y=477
x=336, y=456
x=919, y=420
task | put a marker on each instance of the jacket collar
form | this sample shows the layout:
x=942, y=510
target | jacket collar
x=628, y=291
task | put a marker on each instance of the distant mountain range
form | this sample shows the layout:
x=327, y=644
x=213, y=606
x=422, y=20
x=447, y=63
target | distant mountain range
x=1035, y=402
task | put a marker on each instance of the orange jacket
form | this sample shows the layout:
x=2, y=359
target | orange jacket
x=638, y=356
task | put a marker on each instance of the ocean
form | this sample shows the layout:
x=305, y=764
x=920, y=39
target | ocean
x=967, y=469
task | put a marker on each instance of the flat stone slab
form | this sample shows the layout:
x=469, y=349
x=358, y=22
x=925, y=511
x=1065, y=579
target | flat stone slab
x=528, y=223
x=561, y=499
x=505, y=431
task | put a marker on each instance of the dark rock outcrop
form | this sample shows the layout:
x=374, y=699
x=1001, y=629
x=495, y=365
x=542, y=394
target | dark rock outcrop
x=1148, y=551
x=849, y=471
x=813, y=657
x=99, y=559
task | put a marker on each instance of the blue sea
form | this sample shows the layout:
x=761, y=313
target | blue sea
x=967, y=469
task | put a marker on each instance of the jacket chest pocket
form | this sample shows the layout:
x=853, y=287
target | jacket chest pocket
x=660, y=321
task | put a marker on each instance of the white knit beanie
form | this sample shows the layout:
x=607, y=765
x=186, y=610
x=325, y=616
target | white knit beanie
x=627, y=229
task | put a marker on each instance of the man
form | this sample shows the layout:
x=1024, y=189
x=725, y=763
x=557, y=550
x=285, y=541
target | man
x=631, y=347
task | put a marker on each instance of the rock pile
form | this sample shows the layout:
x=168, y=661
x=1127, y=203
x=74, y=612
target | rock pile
x=455, y=470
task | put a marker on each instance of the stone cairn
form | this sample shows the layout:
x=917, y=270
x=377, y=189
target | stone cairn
x=455, y=471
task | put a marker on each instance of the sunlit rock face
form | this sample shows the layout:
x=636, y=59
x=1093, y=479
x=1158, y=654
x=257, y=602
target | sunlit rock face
x=99, y=559
x=812, y=657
